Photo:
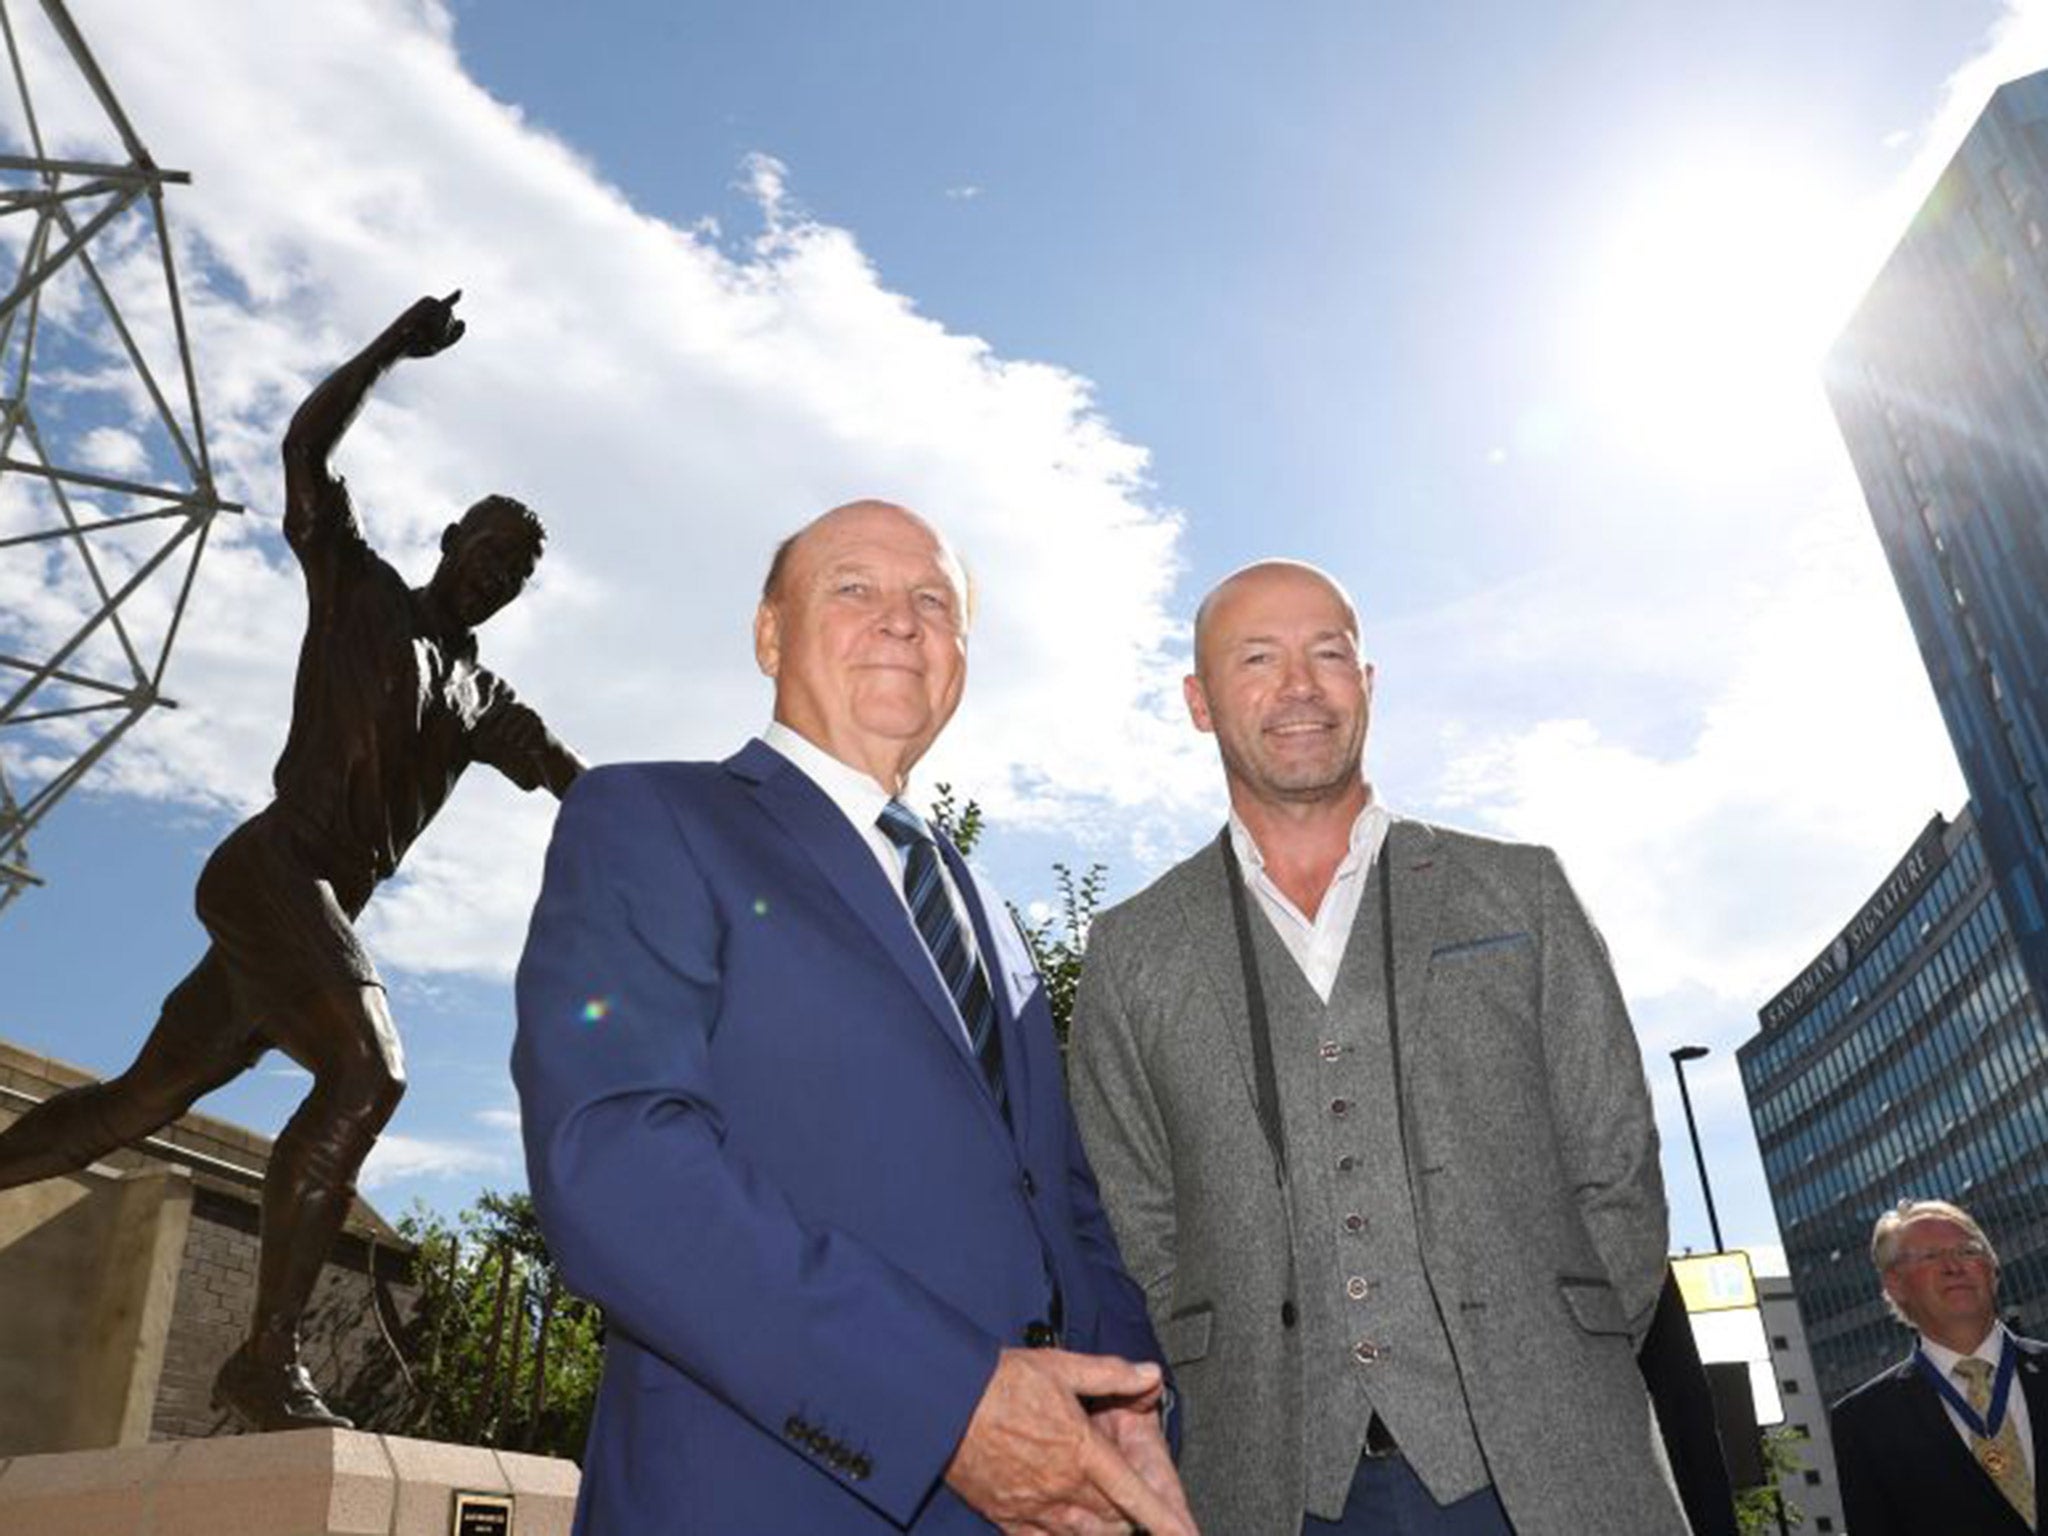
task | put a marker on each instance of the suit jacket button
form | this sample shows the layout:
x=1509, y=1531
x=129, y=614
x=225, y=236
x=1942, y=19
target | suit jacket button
x=1029, y=1185
x=1286, y=1314
x=1040, y=1336
x=794, y=1427
x=859, y=1468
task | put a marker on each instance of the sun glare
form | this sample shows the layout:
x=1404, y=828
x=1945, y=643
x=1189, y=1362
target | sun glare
x=1710, y=303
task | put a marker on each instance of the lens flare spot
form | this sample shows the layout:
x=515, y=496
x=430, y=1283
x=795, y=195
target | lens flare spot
x=595, y=1010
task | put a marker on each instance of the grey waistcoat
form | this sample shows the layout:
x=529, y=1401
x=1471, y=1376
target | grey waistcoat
x=1359, y=1284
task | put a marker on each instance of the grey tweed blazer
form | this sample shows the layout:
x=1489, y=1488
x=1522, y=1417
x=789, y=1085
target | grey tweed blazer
x=1542, y=1216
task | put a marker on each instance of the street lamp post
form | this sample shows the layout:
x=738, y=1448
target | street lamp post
x=1679, y=1058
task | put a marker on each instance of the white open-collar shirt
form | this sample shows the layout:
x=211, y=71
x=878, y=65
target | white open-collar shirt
x=1316, y=943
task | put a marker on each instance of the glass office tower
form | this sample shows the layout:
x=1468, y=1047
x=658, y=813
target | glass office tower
x=1940, y=384
x=1909, y=1059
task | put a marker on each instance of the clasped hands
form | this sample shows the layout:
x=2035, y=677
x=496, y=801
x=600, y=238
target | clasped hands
x=1064, y=1444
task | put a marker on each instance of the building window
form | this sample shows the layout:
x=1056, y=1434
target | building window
x=1812, y=1478
x=1823, y=1523
x=1779, y=1341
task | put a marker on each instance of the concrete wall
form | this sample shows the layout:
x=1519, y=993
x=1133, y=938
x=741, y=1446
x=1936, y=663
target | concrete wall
x=88, y=1271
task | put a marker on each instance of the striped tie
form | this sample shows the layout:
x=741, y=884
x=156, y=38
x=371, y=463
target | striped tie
x=2000, y=1455
x=931, y=908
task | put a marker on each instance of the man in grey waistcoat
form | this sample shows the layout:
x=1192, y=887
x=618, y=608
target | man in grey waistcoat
x=1370, y=1122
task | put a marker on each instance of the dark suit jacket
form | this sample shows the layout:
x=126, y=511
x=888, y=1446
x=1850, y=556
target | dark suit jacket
x=758, y=1138
x=1905, y=1470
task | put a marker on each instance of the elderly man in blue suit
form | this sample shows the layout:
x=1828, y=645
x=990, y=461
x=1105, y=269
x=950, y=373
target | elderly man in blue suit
x=794, y=1117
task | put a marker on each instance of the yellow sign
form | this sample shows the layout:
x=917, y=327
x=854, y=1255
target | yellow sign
x=1715, y=1282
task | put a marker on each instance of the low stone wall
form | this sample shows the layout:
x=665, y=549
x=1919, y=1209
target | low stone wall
x=308, y=1482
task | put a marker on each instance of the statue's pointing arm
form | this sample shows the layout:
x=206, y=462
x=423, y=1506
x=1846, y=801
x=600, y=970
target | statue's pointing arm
x=315, y=503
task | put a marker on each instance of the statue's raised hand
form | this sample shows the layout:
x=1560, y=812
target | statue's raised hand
x=429, y=326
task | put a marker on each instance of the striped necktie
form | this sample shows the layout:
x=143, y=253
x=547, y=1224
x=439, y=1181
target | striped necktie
x=931, y=908
x=2000, y=1455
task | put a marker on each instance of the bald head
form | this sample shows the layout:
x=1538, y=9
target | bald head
x=848, y=512
x=863, y=626
x=1267, y=579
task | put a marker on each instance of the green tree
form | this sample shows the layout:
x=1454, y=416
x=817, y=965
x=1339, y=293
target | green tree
x=1056, y=941
x=499, y=1353
x=1765, y=1511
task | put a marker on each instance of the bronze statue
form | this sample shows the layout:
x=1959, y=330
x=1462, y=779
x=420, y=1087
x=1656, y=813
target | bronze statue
x=390, y=706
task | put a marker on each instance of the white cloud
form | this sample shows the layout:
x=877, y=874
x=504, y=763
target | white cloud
x=113, y=451
x=1723, y=863
x=672, y=404
x=397, y=1157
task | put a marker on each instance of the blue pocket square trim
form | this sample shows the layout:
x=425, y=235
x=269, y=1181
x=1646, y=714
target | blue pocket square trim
x=1478, y=946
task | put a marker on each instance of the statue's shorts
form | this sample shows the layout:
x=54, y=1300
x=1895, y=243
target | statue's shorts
x=281, y=912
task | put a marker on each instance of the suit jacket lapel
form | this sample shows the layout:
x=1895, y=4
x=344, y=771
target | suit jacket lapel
x=1410, y=852
x=1213, y=932
x=1016, y=1071
x=2033, y=1375
x=806, y=813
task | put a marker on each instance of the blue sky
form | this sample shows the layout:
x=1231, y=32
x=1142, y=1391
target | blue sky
x=1511, y=316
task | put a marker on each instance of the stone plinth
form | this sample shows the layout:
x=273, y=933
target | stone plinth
x=88, y=1278
x=309, y=1482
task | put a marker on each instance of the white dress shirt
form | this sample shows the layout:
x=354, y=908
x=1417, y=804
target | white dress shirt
x=1992, y=1349
x=1317, y=943
x=860, y=800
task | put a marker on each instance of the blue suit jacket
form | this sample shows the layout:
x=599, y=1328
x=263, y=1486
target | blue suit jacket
x=758, y=1139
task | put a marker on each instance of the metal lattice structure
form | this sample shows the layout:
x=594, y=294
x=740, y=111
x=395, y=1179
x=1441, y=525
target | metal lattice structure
x=106, y=491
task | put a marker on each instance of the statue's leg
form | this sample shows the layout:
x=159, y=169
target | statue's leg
x=346, y=1039
x=196, y=1046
